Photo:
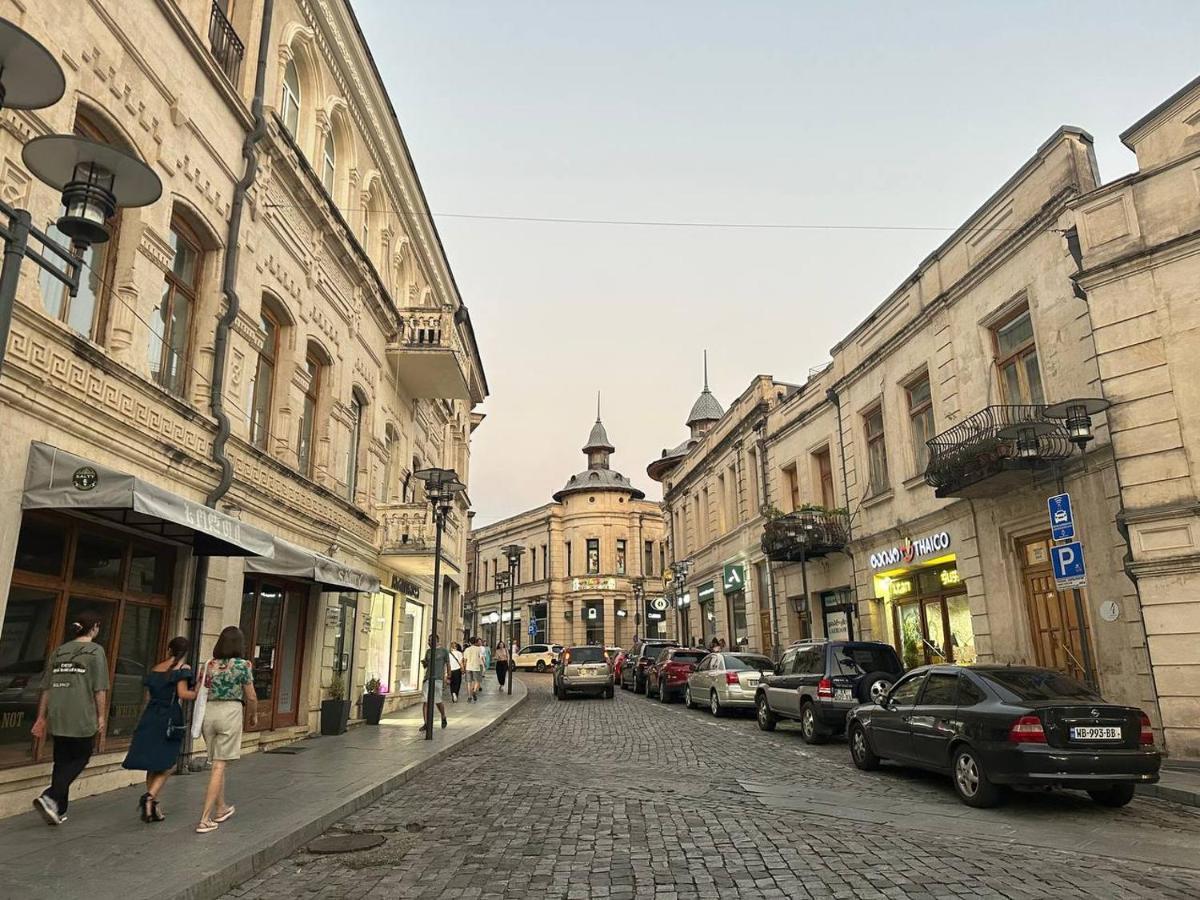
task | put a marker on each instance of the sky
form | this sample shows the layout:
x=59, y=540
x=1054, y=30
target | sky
x=859, y=114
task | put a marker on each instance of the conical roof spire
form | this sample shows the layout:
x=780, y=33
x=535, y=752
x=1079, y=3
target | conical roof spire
x=598, y=439
x=706, y=408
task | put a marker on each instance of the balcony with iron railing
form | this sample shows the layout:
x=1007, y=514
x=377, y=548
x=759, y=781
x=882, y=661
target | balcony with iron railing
x=805, y=534
x=984, y=456
x=408, y=538
x=427, y=356
x=227, y=48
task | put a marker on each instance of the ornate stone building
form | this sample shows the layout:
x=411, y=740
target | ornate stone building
x=271, y=387
x=587, y=555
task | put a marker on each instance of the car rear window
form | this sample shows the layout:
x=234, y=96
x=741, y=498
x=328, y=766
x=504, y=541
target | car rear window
x=1027, y=684
x=653, y=650
x=587, y=655
x=687, y=657
x=746, y=663
x=858, y=659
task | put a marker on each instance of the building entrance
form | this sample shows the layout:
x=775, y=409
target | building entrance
x=930, y=615
x=1053, y=624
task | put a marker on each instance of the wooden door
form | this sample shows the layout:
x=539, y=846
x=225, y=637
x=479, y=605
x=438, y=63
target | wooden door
x=764, y=626
x=1054, y=627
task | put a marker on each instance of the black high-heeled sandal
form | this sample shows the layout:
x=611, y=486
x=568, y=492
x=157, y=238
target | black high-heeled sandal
x=144, y=806
x=155, y=815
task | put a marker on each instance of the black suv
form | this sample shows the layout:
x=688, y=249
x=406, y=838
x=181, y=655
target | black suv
x=641, y=656
x=819, y=682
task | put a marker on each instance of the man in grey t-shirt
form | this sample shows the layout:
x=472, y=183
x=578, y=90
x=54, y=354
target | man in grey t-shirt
x=439, y=674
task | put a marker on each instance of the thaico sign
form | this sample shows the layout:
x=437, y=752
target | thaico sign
x=910, y=550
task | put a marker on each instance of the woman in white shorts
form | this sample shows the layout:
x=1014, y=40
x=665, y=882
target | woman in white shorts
x=229, y=681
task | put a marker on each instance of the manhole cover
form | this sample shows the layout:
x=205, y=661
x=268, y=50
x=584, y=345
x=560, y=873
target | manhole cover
x=414, y=826
x=345, y=843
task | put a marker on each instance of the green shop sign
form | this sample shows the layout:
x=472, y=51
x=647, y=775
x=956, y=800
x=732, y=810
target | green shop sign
x=734, y=578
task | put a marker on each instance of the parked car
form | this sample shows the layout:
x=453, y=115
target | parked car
x=991, y=727
x=536, y=656
x=584, y=670
x=641, y=655
x=725, y=681
x=819, y=682
x=667, y=677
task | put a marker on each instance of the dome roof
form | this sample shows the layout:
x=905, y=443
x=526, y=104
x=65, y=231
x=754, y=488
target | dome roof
x=705, y=409
x=599, y=480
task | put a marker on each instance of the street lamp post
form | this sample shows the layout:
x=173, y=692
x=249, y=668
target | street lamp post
x=639, y=595
x=441, y=487
x=513, y=552
x=95, y=179
x=682, y=568
x=502, y=581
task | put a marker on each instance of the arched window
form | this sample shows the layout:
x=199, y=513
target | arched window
x=262, y=384
x=308, y=415
x=171, y=326
x=87, y=311
x=357, y=405
x=328, y=162
x=289, y=106
x=390, y=449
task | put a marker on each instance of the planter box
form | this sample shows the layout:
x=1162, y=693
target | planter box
x=335, y=715
x=372, y=708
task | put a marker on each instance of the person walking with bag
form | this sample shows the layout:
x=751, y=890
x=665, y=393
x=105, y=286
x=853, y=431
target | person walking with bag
x=229, y=699
x=501, y=663
x=159, y=733
x=473, y=663
x=73, y=710
x=436, y=671
x=456, y=670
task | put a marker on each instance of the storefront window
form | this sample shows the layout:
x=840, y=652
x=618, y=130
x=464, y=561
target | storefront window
x=930, y=615
x=539, y=615
x=141, y=636
x=739, y=629
x=379, y=639
x=272, y=619
x=838, y=610
x=407, y=676
x=593, y=617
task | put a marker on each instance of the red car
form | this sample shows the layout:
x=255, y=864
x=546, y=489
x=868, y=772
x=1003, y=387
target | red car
x=668, y=676
x=618, y=663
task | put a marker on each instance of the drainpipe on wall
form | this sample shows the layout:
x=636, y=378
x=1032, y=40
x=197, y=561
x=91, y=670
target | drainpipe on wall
x=832, y=396
x=761, y=429
x=195, y=620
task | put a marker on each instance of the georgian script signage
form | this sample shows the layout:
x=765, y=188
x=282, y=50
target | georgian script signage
x=904, y=554
x=593, y=584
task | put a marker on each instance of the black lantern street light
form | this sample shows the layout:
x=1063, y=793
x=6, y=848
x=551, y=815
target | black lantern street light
x=513, y=553
x=1076, y=416
x=1027, y=438
x=639, y=596
x=95, y=179
x=441, y=487
x=682, y=568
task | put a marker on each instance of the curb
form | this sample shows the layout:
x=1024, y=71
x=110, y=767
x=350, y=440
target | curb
x=1166, y=792
x=241, y=870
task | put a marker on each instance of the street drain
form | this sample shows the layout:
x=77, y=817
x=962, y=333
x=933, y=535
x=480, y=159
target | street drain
x=414, y=827
x=345, y=843
x=287, y=751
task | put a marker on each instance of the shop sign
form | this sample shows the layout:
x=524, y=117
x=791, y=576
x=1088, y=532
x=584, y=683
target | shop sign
x=905, y=553
x=407, y=588
x=949, y=577
x=734, y=578
x=659, y=604
x=593, y=584
x=707, y=591
x=592, y=612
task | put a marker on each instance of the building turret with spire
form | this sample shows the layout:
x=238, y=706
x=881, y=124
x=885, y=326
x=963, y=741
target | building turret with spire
x=598, y=476
x=706, y=412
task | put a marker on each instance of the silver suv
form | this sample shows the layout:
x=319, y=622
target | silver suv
x=584, y=670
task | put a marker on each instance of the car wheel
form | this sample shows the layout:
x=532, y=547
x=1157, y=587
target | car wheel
x=1117, y=795
x=810, y=728
x=687, y=697
x=714, y=705
x=875, y=685
x=558, y=692
x=860, y=749
x=609, y=692
x=541, y=665
x=971, y=782
x=767, y=720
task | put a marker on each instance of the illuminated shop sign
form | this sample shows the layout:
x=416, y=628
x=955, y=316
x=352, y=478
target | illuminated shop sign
x=910, y=550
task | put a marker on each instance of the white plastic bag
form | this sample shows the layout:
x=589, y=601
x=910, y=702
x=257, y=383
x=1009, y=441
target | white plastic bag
x=201, y=702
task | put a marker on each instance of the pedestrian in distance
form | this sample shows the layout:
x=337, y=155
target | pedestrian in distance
x=501, y=663
x=73, y=710
x=487, y=656
x=230, y=701
x=473, y=664
x=437, y=672
x=456, y=670
x=159, y=732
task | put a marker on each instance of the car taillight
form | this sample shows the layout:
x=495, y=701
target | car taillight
x=1027, y=730
x=1146, y=738
x=825, y=689
x=731, y=678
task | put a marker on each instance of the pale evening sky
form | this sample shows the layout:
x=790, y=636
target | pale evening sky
x=698, y=111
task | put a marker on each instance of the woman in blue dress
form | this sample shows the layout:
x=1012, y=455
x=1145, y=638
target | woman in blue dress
x=159, y=732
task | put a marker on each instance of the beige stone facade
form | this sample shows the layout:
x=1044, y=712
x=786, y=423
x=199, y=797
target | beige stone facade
x=584, y=553
x=351, y=362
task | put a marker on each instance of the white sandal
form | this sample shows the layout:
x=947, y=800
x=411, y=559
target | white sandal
x=206, y=827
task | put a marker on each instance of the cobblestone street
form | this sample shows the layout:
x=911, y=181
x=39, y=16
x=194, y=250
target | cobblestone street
x=630, y=798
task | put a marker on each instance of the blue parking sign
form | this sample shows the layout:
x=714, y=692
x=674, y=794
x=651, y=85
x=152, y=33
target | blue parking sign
x=1067, y=562
x=1062, y=519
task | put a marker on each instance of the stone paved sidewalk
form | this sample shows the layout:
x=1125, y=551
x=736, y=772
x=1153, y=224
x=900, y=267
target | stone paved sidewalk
x=104, y=852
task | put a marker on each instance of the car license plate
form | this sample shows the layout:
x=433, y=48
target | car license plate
x=752, y=682
x=1096, y=733
x=843, y=695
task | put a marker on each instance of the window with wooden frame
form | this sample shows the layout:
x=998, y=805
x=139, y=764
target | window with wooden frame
x=593, y=556
x=171, y=326
x=289, y=103
x=308, y=415
x=1017, y=360
x=328, y=162
x=920, y=419
x=877, y=467
x=621, y=557
x=824, y=467
x=791, y=486
x=262, y=388
x=357, y=407
x=87, y=312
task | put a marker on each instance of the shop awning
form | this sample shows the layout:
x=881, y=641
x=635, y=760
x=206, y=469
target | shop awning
x=294, y=561
x=56, y=479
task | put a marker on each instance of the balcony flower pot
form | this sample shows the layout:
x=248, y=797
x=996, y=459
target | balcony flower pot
x=372, y=702
x=335, y=710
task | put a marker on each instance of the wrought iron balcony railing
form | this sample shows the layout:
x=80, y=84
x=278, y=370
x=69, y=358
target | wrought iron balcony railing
x=227, y=48
x=972, y=459
x=806, y=534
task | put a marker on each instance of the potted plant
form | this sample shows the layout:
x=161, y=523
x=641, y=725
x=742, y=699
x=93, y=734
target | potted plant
x=335, y=711
x=372, y=701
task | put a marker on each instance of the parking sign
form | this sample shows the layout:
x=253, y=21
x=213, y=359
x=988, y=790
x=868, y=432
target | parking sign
x=1062, y=519
x=1067, y=562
